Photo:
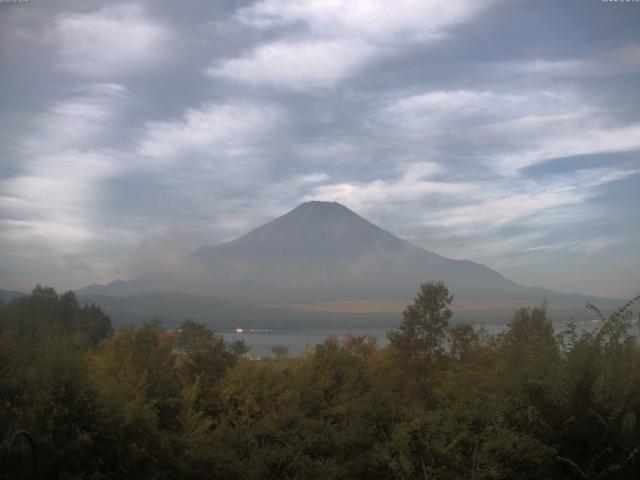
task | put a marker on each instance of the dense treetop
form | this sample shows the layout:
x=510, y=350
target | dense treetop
x=443, y=401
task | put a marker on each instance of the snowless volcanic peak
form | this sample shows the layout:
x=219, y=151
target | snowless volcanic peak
x=315, y=229
x=323, y=250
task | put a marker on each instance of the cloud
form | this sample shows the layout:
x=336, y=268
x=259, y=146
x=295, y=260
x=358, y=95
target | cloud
x=413, y=185
x=587, y=246
x=299, y=65
x=340, y=37
x=44, y=233
x=471, y=121
x=481, y=207
x=218, y=129
x=109, y=43
x=76, y=263
x=167, y=251
x=83, y=119
x=623, y=59
x=574, y=141
x=519, y=201
x=309, y=179
x=375, y=20
x=438, y=112
x=461, y=105
x=546, y=67
x=507, y=131
x=50, y=203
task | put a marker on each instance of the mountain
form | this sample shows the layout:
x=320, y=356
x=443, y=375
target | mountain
x=321, y=253
x=8, y=295
x=319, y=231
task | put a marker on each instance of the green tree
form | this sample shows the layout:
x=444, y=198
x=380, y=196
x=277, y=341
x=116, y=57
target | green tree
x=280, y=351
x=530, y=349
x=462, y=340
x=424, y=325
x=204, y=357
x=92, y=323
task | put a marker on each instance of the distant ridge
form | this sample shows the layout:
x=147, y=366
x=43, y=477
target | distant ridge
x=8, y=295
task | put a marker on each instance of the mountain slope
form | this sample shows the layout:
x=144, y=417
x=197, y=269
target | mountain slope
x=313, y=230
x=324, y=251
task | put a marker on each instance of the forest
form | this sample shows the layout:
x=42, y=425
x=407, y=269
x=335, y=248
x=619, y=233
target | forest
x=443, y=401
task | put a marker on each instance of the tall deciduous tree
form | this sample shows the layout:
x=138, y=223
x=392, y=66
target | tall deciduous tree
x=424, y=325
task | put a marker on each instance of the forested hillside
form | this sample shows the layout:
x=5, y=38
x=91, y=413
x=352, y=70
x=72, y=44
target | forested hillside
x=442, y=401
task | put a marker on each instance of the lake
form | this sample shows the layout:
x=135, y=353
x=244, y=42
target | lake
x=297, y=341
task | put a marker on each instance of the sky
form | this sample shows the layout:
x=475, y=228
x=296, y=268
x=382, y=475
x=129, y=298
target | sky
x=504, y=132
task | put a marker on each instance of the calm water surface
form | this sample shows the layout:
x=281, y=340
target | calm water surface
x=297, y=341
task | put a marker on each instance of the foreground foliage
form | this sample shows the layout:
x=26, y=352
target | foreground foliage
x=442, y=401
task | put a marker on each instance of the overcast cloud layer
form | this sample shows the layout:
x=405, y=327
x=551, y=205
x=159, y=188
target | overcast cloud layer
x=505, y=132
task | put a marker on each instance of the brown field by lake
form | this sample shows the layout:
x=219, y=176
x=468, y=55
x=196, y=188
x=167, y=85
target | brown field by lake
x=397, y=306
